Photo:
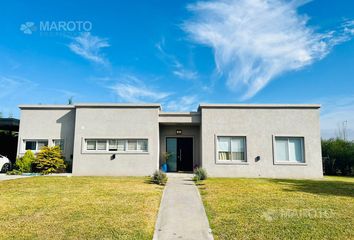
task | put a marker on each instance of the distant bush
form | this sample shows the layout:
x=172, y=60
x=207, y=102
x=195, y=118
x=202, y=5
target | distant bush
x=338, y=157
x=49, y=160
x=24, y=163
x=14, y=172
x=200, y=174
x=159, y=177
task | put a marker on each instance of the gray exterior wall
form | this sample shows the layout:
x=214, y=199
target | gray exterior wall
x=260, y=125
x=48, y=123
x=116, y=122
x=187, y=131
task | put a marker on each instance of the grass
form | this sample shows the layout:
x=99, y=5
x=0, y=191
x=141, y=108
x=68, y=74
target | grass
x=279, y=208
x=78, y=208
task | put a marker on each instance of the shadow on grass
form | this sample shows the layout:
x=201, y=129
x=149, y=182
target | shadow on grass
x=320, y=187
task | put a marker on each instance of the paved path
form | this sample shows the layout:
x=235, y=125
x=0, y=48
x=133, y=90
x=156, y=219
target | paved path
x=3, y=177
x=181, y=214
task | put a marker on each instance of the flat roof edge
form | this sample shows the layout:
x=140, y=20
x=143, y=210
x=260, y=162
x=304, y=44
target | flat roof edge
x=38, y=106
x=121, y=105
x=90, y=105
x=315, y=106
x=178, y=113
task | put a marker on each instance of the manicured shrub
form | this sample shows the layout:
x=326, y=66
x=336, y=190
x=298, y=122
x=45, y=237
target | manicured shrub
x=24, y=164
x=49, y=160
x=14, y=172
x=159, y=177
x=200, y=174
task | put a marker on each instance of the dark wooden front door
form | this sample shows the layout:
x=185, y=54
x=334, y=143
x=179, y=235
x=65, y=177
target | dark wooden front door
x=184, y=154
x=181, y=150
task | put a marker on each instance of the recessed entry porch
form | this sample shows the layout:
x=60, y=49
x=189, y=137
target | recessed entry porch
x=179, y=141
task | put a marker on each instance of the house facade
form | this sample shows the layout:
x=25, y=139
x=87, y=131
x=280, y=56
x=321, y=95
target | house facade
x=228, y=140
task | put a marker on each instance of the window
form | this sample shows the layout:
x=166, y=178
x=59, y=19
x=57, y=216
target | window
x=31, y=145
x=60, y=143
x=101, y=144
x=113, y=145
x=231, y=148
x=35, y=145
x=117, y=145
x=132, y=145
x=41, y=144
x=91, y=144
x=289, y=149
x=121, y=145
x=142, y=145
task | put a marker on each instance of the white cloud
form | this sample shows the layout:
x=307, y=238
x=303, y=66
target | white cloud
x=131, y=89
x=255, y=41
x=185, y=103
x=179, y=69
x=13, y=86
x=18, y=90
x=89, y=47
x=336, y=111
x=185, y=74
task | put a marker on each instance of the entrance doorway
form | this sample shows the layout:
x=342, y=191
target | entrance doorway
x=181, y=154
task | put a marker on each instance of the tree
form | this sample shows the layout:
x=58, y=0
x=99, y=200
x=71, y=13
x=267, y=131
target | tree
x=49, y=160
x=338, y=157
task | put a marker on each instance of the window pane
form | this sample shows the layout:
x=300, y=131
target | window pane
x=238, y=156
x=101, y=145
x=224, y=148
x=281, y=146
x=91, y=145
x=132, y=145
x=224, y=156
x=113, y=145
x=237, y=144
x=31, y=145
x=60, y=143
x=224, y=144
x=41, y=144
x=142, y=145
x=121, y=145
x=295, y=150
x=237, y=148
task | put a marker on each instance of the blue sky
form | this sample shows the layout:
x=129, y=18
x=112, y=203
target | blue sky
x=180, y=54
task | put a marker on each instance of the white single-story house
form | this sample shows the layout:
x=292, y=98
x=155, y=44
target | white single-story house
x=228, y=140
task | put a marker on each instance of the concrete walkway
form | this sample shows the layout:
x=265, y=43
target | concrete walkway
x=4, y=177
x=181, y=214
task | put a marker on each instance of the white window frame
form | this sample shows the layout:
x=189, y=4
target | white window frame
x=107, y=151
x=33, y=140
x=106, y=145
x=90, y=150
x=127, y=145
x=282, y=162
x=230, y=162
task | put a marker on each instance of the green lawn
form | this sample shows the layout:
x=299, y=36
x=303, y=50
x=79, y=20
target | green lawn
x=78, y=208
x=279, y=208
